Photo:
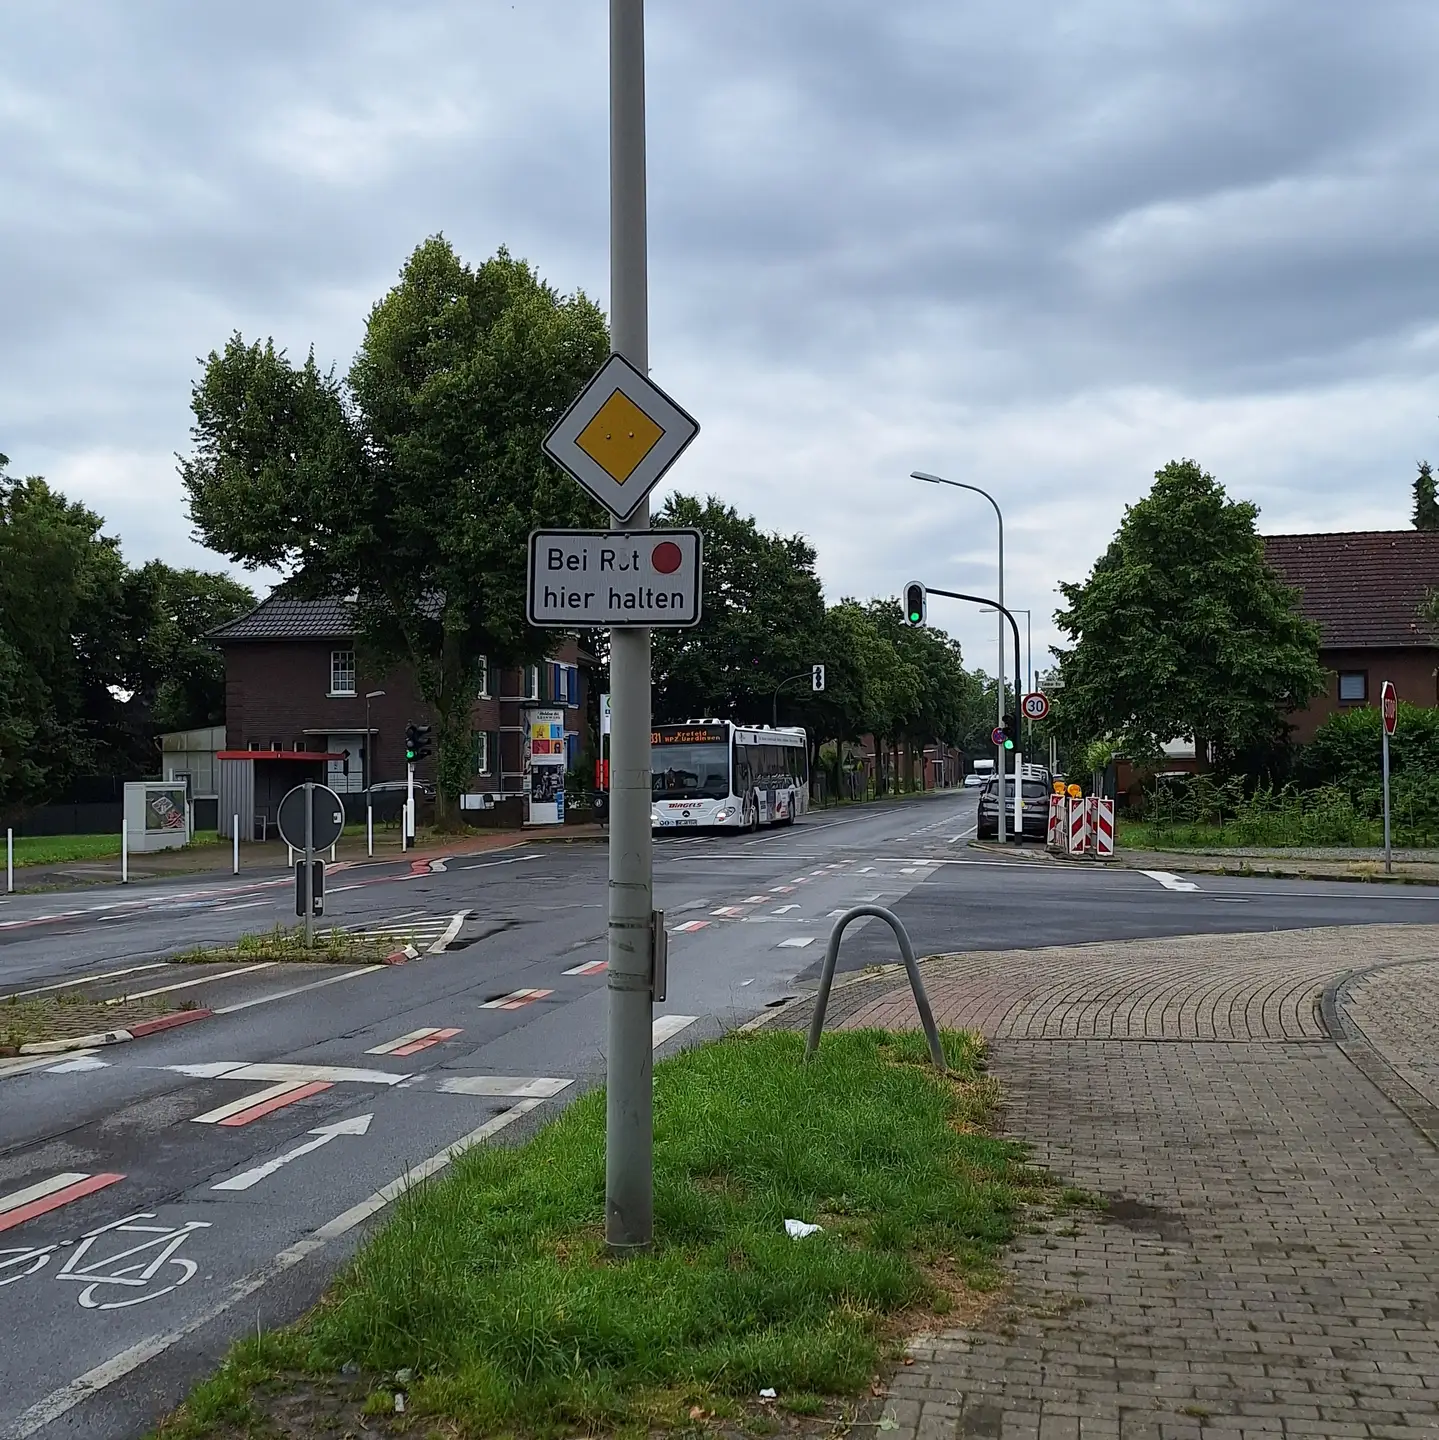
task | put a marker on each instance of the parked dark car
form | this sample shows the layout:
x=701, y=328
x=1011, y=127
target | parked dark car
x=1036, y=809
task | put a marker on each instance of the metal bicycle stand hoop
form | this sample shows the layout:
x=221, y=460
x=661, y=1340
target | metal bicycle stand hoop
x=911, y=966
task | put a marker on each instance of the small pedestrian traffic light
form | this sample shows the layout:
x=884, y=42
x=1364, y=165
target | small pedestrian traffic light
x=816, y=678
x=914, y=603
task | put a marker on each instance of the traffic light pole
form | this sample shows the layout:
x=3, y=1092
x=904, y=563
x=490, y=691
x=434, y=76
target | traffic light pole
x=629, y=1092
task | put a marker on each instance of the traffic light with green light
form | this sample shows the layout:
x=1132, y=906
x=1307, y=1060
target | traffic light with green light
x=1011, y=729
x=417, y=743
x=914, y=603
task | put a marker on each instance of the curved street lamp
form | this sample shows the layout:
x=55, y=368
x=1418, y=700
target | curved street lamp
x=999, y=515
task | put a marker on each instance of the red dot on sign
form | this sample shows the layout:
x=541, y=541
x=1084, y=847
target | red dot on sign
x=667, y=557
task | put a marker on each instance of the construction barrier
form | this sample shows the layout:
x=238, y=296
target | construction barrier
x=1101, y=826
x=1078, y=841
x=1055, y=837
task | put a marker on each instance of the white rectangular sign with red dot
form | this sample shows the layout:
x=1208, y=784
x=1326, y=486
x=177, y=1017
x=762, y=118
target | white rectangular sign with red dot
x=601, y=578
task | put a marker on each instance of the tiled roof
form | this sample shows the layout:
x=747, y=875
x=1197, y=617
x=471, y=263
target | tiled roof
x=281, y=618
x=1363, y=587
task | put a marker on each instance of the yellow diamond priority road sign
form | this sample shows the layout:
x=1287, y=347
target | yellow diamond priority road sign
x=620, y=436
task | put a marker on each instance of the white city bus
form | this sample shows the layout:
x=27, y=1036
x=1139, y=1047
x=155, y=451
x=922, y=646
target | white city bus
x=714, y=772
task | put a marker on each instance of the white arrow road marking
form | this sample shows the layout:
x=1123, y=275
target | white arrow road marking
x=323, y=1135
x=783, y=909
x=1170, y=882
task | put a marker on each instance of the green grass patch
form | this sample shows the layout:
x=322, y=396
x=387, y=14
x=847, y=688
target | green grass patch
x=490, y=1292
x=287, y=943
x=60, y=849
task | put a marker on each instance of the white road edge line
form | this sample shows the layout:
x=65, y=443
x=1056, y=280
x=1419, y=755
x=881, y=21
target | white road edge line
x=190, y=984
x=451, y=930
x=85, y=980
x=299, y=989
x=43, y=1412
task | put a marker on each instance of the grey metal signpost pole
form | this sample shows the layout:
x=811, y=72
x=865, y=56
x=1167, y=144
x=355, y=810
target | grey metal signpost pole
x=307, y=889
x=629, y=1118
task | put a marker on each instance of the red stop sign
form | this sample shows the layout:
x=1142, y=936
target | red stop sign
x=1389, y=706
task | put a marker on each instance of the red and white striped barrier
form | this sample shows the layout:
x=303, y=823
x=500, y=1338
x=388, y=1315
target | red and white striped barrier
x=1055, y=838
x=1101, y=825
x=1078, y=842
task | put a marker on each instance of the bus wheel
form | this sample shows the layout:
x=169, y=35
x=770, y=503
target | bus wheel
x=751, y=817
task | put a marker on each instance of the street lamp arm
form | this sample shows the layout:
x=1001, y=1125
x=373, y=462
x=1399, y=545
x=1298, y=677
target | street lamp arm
x=1013, y=624
x=788, y=680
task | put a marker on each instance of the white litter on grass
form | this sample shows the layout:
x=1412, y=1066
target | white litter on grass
x=798, y=1229
x=768, y=1393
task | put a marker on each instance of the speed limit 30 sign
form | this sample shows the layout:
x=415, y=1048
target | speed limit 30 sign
x=1035, y=705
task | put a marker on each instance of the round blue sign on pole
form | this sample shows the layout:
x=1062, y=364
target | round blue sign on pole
x=997, y=735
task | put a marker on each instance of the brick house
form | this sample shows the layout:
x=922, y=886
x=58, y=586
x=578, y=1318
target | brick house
x=294, y=683
x=1364, y=588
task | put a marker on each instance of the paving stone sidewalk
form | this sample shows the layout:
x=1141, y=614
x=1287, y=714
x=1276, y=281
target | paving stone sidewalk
x=1269, y=1262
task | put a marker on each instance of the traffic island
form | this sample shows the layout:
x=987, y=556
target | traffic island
x=54, y=1024
x=809, y=1217
x=286, y=944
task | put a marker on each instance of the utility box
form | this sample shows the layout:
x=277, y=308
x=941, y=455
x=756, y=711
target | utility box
x=157, y=815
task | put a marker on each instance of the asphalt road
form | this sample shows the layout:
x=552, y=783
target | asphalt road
x=158, y=1198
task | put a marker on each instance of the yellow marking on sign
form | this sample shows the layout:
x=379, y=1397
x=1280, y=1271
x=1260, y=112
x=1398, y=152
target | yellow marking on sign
x=619, y=437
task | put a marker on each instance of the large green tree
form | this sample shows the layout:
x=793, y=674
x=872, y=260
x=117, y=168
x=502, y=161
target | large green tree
x=762, y=623
x=1182, y=629
x=64, y=640
x=415, y=480
x=177, y=678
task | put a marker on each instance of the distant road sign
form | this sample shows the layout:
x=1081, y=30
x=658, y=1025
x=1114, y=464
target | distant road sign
x=620, y=436
x=997, y=735
x=329, y=813
x=1389, y=706
x=1036, y=705
x=595, y=578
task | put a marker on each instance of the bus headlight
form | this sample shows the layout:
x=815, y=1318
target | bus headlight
x=723, y=814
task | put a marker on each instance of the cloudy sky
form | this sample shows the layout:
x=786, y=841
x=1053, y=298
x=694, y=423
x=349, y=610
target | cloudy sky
x=1041, y=247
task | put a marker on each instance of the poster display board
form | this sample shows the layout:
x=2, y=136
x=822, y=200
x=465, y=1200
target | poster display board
x=545, y=767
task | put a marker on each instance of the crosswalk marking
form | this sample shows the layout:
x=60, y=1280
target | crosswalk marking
x=516, y=999
x=414, y=1042
x=666, y=1027
x=690, y=926
x=728, y=912
x=22, y=1205
x=260, y=1103
x=506, y=1087
x=590, y=967
x=796, y=942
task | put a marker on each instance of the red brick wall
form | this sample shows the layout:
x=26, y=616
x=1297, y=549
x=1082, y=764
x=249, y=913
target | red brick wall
x=276, y=691
x=1411, y=669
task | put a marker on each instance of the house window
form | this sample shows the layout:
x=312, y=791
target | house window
x=572, y=686
x=342, y=672
x=482, y=751
x=532, y=682
x=1353, y=687
x=484, y=678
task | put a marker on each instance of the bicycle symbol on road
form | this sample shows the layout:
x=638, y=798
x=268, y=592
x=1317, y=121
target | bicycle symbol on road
x=149, y=1265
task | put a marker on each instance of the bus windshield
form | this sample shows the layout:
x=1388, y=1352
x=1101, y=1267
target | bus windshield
x=690, y=772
